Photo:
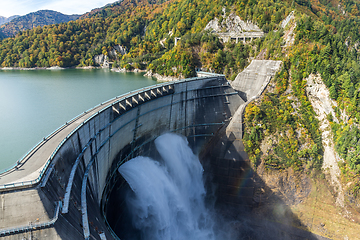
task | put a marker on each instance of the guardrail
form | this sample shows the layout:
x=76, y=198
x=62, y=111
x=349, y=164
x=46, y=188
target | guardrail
x=27, y=156
x=35, y=226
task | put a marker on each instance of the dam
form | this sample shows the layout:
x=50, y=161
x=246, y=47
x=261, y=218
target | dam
x=66, y=186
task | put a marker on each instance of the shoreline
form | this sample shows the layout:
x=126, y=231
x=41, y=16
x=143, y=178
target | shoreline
x=45, y=68
x=61, y=68
x=161, y=78
x=147, y=73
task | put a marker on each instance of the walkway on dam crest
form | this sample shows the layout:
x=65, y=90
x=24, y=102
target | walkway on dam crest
x=31, y=168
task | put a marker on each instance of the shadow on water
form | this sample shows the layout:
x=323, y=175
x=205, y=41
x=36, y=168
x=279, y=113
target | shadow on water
x=242, y=200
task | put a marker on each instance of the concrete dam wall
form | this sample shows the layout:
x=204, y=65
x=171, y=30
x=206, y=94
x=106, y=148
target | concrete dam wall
x=67, y=186
x=70, y=198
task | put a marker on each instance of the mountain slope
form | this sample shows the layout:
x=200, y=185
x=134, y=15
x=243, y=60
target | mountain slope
x=4, y=20
x=32, y=20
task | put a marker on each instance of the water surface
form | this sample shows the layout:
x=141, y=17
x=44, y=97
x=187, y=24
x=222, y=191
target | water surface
x=35, y=103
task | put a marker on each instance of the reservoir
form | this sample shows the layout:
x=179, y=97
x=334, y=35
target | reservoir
x=35, y=103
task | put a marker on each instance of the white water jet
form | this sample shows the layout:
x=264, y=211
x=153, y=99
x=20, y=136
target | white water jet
x=168, y=199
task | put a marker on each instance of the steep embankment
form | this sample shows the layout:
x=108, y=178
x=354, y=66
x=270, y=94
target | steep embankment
x=254, y=79
x=319, y=97
x=289, y=131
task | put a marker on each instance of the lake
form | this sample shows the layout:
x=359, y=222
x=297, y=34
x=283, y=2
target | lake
x=35, y=103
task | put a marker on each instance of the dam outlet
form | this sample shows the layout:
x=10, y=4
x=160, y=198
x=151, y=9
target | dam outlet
x=167, y=196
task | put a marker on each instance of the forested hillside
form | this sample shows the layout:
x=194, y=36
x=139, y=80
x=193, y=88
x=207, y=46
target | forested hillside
x=326, y=42
x=35, y=19
x=5, y=19
x=137, y=25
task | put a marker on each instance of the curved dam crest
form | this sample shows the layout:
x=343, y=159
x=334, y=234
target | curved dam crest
x=70, y=178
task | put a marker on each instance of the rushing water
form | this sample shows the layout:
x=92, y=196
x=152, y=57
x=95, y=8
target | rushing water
x=35, y=103
x=167, y=202
x=165, y=199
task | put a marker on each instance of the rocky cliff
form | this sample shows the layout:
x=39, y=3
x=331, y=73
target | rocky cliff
x=231, y=24
x=103, y=60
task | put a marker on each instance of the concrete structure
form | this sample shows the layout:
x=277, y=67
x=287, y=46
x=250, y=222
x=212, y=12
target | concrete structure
x=255, y=77
x=63, y=188
x=176, y=40
x=233, y=28
x=243, y=36
x=228, y=161
x=67, y=187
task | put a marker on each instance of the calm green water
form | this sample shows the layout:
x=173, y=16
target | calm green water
x=35, y=103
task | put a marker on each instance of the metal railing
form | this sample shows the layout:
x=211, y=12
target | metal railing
x=35, y=226
x=27, y=156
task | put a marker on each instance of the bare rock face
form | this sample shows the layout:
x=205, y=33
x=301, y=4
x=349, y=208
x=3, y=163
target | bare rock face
x=101, y=60
x=117, y=50
x=112, y=53
x=235, y=24
x=120, y=49
x=285, y=22
x=289, y=186
x=231, y=24
x=323, y=105
x=213, y=26
x=161, y=78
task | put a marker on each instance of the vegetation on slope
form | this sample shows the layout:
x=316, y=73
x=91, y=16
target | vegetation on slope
x=4, y=20
x=326, y=42
x=35, y=19
x=139, y=26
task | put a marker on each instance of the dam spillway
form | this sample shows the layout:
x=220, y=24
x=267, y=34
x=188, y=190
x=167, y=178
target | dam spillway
x=69, y=189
